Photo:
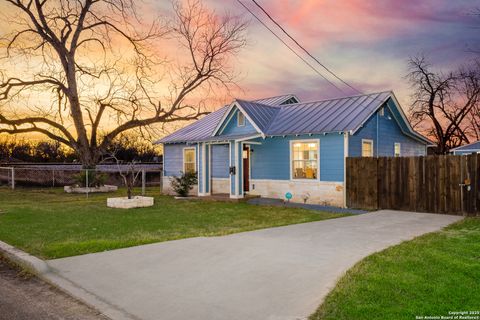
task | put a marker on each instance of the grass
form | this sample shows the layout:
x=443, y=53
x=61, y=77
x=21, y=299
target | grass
x=428, y=276
x=52, y=224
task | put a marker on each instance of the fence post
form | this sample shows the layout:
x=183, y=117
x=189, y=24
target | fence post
x=161, y=181
x=144, y=177
x=86, y=180
x=13, y=178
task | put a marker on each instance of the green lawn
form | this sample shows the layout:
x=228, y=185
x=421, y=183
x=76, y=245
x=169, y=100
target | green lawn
x=51, y=224
x=428, y=276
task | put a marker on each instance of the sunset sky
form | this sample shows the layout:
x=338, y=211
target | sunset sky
x=367, y=43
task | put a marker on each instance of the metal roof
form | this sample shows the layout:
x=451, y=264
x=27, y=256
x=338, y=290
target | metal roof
x=474, y=146
x=260, y=114
x=200, y=129
x=203, y=128
x=334, y=115
x=346, y=114
x=277, y=100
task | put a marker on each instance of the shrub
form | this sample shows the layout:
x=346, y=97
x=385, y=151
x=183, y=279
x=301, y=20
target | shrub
x=183, y=183
x=95, y=178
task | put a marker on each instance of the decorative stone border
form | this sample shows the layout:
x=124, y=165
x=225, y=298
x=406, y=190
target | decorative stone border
x=125, y=203
x=101, y=189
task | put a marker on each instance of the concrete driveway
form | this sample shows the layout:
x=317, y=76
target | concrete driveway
x=279, y=273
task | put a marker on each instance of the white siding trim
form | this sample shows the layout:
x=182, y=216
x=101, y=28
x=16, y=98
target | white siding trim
x=220, y=123
x=163, y=160
x=290, y=158
x=224, y=124
x=197, y=152
x=237, y=169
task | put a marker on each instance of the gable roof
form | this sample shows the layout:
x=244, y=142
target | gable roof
x=278, y=100
x=202, y=129
x=474, y=146
x=346, y=114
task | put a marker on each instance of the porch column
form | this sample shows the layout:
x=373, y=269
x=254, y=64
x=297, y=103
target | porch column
x=236, y=190
x=204, y=169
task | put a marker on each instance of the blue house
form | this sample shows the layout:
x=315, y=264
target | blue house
x=272, y=146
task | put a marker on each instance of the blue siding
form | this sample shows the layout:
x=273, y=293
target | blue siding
x=331, y=157
x=220, y=160
x=231, y=128
x=271, y=159
x=389, y=132
x=173, y=158
x=465, y=152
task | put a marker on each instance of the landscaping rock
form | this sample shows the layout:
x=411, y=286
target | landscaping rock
x=125, y=203
x=101, y=189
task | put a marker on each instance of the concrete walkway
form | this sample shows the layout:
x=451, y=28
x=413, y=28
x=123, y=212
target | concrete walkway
x=279, y=273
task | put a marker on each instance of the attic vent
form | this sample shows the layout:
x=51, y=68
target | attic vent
x=381, y=111
x=240, y=119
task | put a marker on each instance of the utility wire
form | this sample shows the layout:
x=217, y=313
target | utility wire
x=303, y=48
x=289, y=47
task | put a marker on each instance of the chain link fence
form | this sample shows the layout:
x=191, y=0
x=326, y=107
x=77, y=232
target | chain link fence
x=77, y=180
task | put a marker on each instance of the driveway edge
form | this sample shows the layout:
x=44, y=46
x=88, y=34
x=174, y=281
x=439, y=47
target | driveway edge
x=26, y=261
x=41, y=269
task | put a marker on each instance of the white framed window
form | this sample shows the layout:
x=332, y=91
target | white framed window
x=397, y=147
x=304, y=158
x=367, y=148
x=189, y=164
x=240, y=119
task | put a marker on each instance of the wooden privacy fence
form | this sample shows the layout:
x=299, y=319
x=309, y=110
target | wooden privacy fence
x=439, y=184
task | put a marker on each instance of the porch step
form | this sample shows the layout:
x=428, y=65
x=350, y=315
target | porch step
x=226, y=197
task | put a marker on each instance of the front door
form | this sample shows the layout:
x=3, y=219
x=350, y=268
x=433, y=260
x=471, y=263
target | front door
x=246, y=168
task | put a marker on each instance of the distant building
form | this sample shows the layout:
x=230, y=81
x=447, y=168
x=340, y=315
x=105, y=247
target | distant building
x=467, y=149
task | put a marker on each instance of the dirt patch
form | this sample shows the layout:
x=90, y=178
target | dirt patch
x=25, y=297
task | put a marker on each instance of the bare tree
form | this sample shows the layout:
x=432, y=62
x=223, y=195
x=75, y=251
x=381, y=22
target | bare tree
x=443, y=103
x=83, y=72
x=129, y=173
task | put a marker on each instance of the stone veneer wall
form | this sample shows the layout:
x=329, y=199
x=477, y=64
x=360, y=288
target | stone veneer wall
x=321, y=192
x=220, y=185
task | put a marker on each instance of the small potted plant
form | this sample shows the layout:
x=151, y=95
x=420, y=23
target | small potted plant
x=183, y=183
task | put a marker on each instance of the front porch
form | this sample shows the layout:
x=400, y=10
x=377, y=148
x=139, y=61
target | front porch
x=238, y=158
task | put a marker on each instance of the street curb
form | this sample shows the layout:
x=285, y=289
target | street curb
x=28, y=262
x=41, y=269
